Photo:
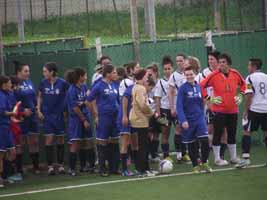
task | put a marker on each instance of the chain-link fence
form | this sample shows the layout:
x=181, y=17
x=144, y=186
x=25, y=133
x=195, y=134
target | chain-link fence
x=110, y=19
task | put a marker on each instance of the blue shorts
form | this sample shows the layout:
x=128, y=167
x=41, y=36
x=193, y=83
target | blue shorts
x=29, y=125
x=197, y=129
x=6, y=138
x=124, y=130
x=76, y=130
x=54, y=124
x=107, y=127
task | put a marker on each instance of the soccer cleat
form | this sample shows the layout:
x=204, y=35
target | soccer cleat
x=127, y=173
x=179, y=157
x=16, y=177
x=235, y=161
x=37, y=171
x=244, y=163
x=221, y=162
x=196, y=170
x=61, y=170
x=51, y=171
x=104, y=173
x=149, y=174
x=205, y=167
x=155, y=160
x=72, y=173
x=84, y=169
x=186, y=159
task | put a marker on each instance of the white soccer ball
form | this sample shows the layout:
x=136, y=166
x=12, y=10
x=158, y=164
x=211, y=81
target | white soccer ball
x=165, y=166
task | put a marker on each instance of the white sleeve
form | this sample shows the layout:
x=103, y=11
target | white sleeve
x=171, y=81
x=158, y=90
x=122, y=87
x=249, y=85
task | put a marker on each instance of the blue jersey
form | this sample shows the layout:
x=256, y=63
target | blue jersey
x=189, y=104
x=128, y=95
x=53, y=96
x=76, y=96
x=96, y=82
x=5, y=106
x=106, y=96
x=27, y=95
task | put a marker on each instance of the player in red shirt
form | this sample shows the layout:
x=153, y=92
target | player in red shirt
x=228, y=86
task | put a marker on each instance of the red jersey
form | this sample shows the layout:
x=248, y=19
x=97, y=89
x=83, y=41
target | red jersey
x=225, y=86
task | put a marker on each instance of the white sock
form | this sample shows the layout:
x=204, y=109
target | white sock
x=216, y=152
x=232, y=151
x=179, y=155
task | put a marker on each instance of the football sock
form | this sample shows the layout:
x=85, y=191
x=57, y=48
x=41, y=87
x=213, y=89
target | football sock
x=165, y=150
x=246, y=142
x=216, y=152
x=82, y=157
x=72, y=160
x=91, y=157
x=18, y=161
x=124, y=161
x=192, y=148
x=101, y=157
x=35, y=160
x=155, y=146
x=60, y=153
x=205, y=149
x=222, y=150
x=49, y=149
x=178, y=143
x=232, y=151
x=115, y=157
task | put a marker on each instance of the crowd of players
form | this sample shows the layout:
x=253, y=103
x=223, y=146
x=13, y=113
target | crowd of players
x=133, y=105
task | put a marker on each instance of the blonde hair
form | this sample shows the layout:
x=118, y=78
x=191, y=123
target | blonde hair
x=194, y=63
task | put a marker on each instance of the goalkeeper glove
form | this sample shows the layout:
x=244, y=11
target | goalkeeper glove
x=238, y=99
x=215, y=100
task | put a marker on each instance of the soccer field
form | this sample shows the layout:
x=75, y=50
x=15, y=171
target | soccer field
x=223, y=183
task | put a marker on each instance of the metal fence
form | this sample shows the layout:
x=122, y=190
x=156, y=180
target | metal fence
x=110, y=19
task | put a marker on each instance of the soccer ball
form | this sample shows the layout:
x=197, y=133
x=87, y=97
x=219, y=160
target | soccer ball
x=165, y=166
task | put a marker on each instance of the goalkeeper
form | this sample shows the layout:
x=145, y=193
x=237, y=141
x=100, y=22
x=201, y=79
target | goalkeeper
x=228, y=86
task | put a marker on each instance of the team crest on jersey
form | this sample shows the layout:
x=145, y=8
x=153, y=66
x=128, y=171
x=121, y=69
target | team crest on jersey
x=57, y=91
x=249, y=86
x=190, y=94
x=106, y=91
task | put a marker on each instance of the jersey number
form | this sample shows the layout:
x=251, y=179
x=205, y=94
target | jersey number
x=262, y=88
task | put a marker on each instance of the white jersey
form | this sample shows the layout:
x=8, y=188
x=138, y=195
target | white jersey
x=204, y=74
x=96, y=76
x=124, y=84
x=161, y=90
x=257, y=85
x=198, y=78
x=176, y=80
x=151, y=95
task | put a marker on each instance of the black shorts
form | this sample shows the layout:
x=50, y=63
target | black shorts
x=222, y=121
x=168, y=115
x=154, y=125
x=209, y=116
x=256, y=120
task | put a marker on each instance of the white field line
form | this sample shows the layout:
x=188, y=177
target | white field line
x=116, y=181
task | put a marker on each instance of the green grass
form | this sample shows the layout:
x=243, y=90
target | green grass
x=237, y=184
